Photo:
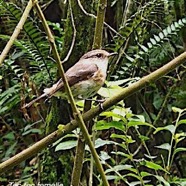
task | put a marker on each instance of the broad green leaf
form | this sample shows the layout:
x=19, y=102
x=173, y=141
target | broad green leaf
x=103, y=125
x=99, y=143
x=165, y=146
x=66, y=145
x=153, y=41
x=109, y=91
x=182, y=121
x=152, y=165
x=130, y=58
x=144, y=48
x=138, y=123
x=143, y=174
x=170, y=128
x=64, y=137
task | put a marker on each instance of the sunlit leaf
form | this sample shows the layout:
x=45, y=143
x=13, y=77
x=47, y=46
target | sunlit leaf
x=175, y=109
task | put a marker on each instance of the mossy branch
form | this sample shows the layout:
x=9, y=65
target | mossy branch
x=99, y=24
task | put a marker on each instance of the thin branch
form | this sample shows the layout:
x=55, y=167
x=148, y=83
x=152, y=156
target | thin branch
x=16, y=31
x=74, y=35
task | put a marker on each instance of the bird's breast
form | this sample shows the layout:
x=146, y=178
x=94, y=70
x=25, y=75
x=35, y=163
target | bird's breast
x=89, y=87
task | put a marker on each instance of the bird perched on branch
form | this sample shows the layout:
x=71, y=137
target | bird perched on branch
x=85, y=78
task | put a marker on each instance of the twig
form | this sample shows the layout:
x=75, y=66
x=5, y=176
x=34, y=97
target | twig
x=92, y=15
x=16, y=31
x=74, y=35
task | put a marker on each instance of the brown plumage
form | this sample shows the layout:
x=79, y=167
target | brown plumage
x=85, y=78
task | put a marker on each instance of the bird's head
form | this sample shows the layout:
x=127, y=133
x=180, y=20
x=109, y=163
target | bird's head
x=98, y=55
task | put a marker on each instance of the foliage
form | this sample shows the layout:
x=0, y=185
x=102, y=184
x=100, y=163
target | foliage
x=141, y=141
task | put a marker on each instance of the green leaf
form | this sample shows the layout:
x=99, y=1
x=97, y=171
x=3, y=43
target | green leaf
x=32, y=131
x=180, y=149
x=143, y=138
x=109, y=91
x=125, y=138
x=175, y=109
x=128, y=156
x=103, y=125
x=11, y=149
x=165, y=146
x=118, y=168
x=104, y=156
x=161, y=179
x=182, y=121
x=66, y=145
x=117, y=116
x=152, y=165
x=143, y=174
x=138, y=123
x=9, y=136
x=99, y=143
x=170, y=128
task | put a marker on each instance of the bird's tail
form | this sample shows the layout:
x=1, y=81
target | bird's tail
x=35, y=100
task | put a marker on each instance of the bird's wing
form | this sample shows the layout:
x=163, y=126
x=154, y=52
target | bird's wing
x=79, y=72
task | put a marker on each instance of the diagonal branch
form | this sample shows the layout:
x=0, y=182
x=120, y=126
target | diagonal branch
x=142, y=83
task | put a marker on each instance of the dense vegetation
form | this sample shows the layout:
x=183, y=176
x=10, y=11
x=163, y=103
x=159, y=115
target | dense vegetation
x=141, y=140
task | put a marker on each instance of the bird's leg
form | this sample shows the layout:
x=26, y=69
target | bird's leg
x=99, y=101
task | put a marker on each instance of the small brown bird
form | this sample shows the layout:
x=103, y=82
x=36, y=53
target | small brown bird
x=85, y=78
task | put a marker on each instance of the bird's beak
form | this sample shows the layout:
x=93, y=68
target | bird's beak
x=112, y=54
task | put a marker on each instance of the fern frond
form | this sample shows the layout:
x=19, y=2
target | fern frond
x=136, y=19
x=9, y=98
x=160, y=38
x=35, y=43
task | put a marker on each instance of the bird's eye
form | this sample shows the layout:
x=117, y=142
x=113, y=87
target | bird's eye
x=99, y=55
